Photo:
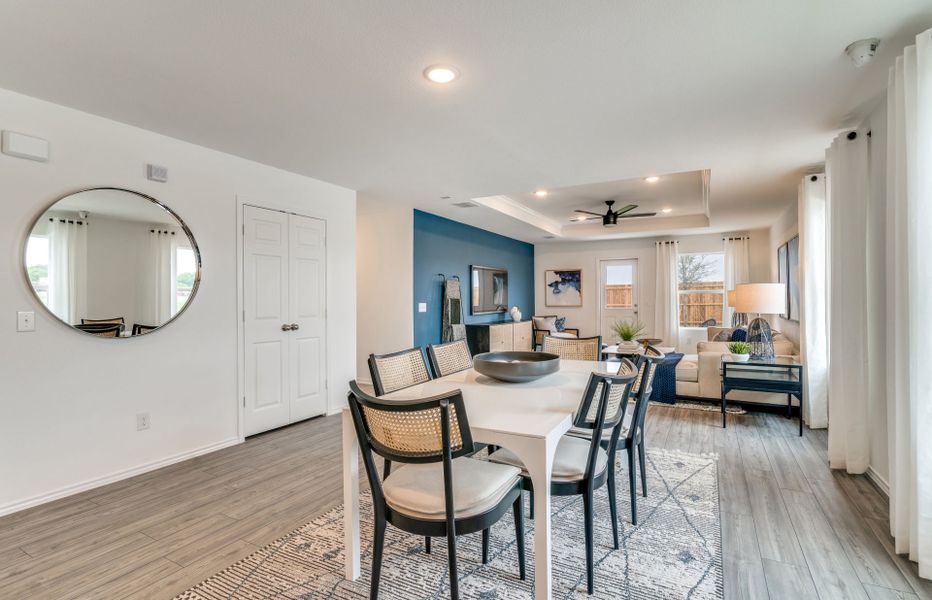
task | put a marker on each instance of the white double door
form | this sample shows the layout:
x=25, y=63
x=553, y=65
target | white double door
x=284, y=301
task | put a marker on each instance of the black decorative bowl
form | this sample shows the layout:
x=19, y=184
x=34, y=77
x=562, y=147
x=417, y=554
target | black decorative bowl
x=516, y=367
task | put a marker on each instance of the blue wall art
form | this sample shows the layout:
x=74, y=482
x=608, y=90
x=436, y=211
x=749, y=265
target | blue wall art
x=564, y=288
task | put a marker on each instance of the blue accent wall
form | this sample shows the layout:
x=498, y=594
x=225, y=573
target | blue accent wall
x=449, y=247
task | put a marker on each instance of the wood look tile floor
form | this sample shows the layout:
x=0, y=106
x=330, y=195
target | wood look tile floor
x=791, y=527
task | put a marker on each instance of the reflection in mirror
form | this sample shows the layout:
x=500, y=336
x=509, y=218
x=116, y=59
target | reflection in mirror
x=112, y=262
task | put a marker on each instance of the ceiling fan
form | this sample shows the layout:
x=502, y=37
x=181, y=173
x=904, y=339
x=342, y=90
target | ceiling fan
x=610, y=218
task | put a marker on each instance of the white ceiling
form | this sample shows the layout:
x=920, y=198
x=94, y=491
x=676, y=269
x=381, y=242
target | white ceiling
x=552, y=94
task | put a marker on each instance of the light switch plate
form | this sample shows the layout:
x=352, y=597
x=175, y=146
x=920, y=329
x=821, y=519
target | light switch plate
x=421, y=307
x=26, y=320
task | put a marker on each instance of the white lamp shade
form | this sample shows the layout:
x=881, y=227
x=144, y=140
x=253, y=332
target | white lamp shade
x=732, y=298
x=761, y=298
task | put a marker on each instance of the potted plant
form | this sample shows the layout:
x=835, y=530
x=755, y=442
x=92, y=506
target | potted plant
x=627, y=332
x=740, y=351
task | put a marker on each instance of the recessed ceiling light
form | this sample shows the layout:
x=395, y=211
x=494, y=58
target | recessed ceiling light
x=441, y=73
x=652, y=179
x=666, y=210
x=540, y=193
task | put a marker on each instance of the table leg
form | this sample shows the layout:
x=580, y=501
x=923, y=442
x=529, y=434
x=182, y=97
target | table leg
x=351, y=544
x=800, y=414
x=537, y=455
x=724, y=407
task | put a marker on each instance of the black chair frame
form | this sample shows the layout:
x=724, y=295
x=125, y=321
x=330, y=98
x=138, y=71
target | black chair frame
x=594, y=480
x=374, y=370
x=432, y=355
x=101, y=328
x=450, y=527
x=140, y=329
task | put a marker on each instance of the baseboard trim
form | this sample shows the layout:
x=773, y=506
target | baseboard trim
x=113, y=477
x=879, y=482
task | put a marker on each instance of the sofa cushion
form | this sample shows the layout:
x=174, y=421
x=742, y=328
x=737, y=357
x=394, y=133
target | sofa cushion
x=723, y=336
x=688, y=368
x=545, y=323
x=478, y=486
x=740, y=334
x=560, y=323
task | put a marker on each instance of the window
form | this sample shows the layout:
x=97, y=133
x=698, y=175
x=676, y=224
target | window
x=185, y=267
x=701, y=279
x=37, y=264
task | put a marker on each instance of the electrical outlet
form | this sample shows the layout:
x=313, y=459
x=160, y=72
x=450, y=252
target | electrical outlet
x=142, y=421
x=25, y=320
x=422, y=307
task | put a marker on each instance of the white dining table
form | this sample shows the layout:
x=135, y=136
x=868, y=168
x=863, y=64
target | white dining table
x=527, y=418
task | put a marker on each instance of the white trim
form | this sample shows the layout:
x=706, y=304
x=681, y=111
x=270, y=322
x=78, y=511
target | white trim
x=516, y=210
x=878, y=481
x=113, y=477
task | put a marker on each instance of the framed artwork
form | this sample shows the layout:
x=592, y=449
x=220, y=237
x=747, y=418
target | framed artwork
x=783, y=272
x=563, y=287
x=792, y=279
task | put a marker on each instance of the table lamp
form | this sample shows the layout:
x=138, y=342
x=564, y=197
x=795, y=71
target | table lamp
x=762, y=299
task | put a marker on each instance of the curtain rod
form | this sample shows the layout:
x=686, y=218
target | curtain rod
x=73, y=222
x=669, y=242
x=742, y=237
x=160, y=231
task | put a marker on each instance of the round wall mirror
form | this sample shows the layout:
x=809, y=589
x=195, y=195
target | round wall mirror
x=112, y=263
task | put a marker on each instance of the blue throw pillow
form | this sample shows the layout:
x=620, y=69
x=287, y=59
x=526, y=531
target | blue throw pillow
x=739, y=335
x=560, y=323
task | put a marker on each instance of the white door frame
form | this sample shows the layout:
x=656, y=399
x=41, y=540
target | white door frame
x=240, y=204
x=598, y=290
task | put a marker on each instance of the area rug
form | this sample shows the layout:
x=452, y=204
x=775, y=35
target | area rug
x=675, y=551
x=703, y=406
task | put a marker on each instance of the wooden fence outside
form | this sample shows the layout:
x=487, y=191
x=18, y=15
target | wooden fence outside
x=619, y=296
x=698, y=304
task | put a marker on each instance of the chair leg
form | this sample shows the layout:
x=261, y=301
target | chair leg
x=378, y=542
x=518, y=510
x=642, y=459
x=587, y=517
x=613, y=504
x=485, y=546
x=531, y=497
x=387, y=469
x=426, y=544
x=451, y=557
x=633, y=484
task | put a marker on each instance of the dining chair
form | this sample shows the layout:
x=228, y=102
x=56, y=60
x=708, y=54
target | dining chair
x=139, y=329
x=449, y=358
x=632, y=435
x=581, y=466
x=398, y=370
x=109, y=321
x=440, y=491
x=102, y=329
x=588, y=348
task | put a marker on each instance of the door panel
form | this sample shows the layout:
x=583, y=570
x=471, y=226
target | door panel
x=265, y=281
x=308, y=385
x=618, y=295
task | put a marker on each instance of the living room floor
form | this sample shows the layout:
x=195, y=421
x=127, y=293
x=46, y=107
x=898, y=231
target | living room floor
x=791, y=527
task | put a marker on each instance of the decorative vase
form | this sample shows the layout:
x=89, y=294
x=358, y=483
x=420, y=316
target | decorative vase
x=740, y=357
x=515, y=314
x=761, y=339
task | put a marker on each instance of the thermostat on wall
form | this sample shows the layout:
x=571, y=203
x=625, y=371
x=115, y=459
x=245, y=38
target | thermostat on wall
x=21, y=145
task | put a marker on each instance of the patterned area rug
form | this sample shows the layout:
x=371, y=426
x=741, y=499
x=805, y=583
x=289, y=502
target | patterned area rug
x=703, y=406
x=675, y=552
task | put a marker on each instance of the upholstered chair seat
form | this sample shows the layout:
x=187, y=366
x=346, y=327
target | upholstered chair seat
x=416, y=490
x=569, y=463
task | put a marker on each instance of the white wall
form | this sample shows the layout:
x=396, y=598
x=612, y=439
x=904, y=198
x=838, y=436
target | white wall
x=384, y=279
x=586, y=256
x=785, y=229
x=69, y=400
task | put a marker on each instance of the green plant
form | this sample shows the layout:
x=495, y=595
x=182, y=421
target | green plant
x=628, y=330
x=739, y=348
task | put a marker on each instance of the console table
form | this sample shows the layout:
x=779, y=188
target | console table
x=780, y=375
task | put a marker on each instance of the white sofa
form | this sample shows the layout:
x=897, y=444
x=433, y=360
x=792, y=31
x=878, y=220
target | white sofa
x=699, y=375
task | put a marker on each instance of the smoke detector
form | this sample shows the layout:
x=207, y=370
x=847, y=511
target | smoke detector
x=862, y=52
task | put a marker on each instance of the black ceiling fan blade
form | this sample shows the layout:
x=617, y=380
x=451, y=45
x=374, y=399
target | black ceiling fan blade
x=588, y=212
x=635, y=215
x=625, y=209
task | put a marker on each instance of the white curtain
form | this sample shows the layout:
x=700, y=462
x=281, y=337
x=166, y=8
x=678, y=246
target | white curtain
x=158, y=306
x=68, y=269
x=813, y=332
x=737, y=268
x=666, y=294
x=909, y=301
x=848, y=189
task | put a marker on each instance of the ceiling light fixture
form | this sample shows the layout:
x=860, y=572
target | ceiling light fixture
x=666, y=210
x=540, y=193
x=441, y=73
x=652, y=179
